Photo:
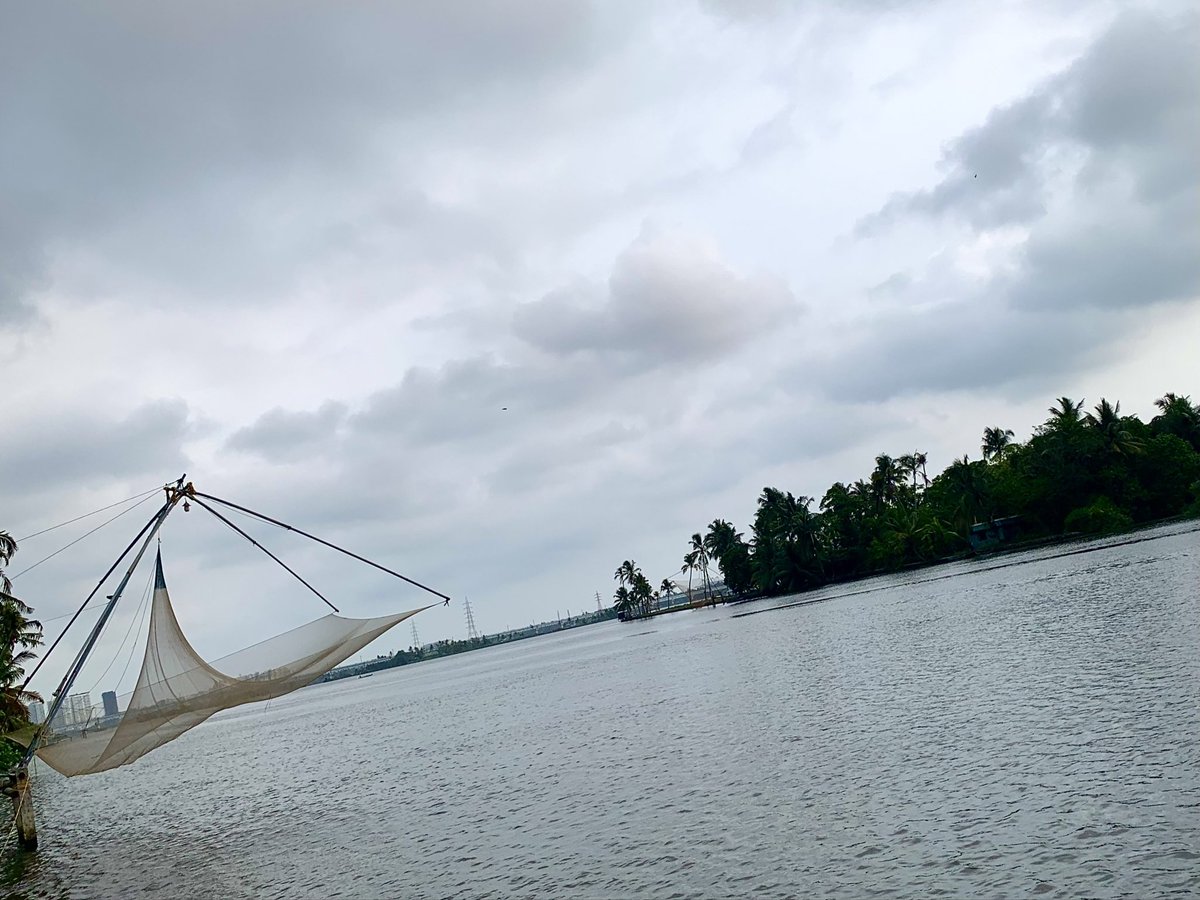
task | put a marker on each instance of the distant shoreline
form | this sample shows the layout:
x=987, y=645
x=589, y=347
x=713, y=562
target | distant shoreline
x=1016, y=547
x=440, y=649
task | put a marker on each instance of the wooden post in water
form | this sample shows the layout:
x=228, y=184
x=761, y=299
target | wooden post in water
x=26, y=826
x=16, y=786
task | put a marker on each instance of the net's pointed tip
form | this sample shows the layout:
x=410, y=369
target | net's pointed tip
x=160, y=583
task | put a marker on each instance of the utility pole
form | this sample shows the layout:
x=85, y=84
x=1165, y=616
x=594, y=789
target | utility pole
x=472, y=634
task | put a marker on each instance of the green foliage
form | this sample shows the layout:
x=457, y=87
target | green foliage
x=1101, y=517
x=10, y=756
x=1092, y=472
x=1193, y=509
x=996, y=442
x=725, y=544
x=18, y=636
x=1164, y=473
x=1179, y=417
x=634, y=591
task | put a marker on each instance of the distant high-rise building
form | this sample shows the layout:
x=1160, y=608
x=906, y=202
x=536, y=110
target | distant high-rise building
x=110, y=703
x=79, y=708
x=37, y=712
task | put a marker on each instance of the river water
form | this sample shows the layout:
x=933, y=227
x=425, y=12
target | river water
x=1029, y=726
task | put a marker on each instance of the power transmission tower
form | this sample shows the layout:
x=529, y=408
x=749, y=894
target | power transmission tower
x=472, y=634
x=599, y=605
x=416, y=640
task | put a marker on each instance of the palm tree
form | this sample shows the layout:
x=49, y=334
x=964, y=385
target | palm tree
x=787, y=551
x=667, y=588
x=843, y=511
x=913, y=535
x=641, y=592
x=18, y=636
x=623, y=601
x=885, y=480
x=968, y=481
x=1107, y=420
x=701, y=551
x=690, y=562
x=721, y=538
x=8, y=547
x=996, y=442
x=906, y=468
x=921, y=458
x=1065, y=415
x=726, y=545
x=1178, y=417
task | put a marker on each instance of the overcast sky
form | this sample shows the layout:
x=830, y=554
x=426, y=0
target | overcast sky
x=503, y=293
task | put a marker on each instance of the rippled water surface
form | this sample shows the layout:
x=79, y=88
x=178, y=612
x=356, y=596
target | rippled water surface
x=1027, y=727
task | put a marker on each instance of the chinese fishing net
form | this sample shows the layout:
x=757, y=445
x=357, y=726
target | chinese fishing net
x=177, y=690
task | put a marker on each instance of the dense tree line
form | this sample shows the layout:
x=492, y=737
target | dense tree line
x=1080, y=472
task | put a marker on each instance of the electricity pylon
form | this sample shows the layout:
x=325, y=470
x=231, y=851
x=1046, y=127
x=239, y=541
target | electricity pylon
x=472, y=634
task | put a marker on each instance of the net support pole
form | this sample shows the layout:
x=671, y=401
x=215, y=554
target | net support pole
x=174, y=495
x=22, y=801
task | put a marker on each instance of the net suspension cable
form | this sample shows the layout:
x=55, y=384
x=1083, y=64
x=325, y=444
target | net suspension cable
x=142, y=495
x=86, y=534
x=290, y=570
x=312, y=537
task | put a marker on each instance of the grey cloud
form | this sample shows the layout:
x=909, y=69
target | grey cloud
x=1121, y=258
x=1098, y=166
x=467, y=399
x=289, y=436
x=768, y=11
x=1130, y=105
x=85, y=446
x=283, y=85
x=557, y=458
x=896, y=283
x=962, y=346
x=772, y=136
x=1137, y=85
x=164, y=138
x=22, y=270
x=993, y=175
x=667, y=301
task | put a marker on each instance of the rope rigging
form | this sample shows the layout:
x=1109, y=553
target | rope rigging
x=143, y=494
x=293, y=572
x=312, y=537
x=82, y=536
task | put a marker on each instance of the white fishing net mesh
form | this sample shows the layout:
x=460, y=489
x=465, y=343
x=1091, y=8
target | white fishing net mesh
x=178, y=690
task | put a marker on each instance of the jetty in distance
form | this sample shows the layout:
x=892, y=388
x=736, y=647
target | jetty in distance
x=449, y=647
